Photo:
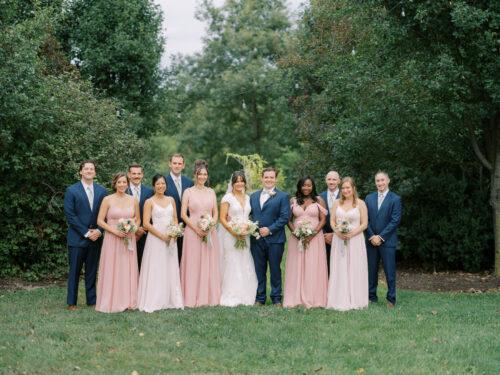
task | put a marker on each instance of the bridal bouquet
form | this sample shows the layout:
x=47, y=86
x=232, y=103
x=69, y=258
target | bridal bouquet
x=303, y=231
x=244, y=228
x=175, y=231
x=344, y=227
x=206, y=223
x=128, y=226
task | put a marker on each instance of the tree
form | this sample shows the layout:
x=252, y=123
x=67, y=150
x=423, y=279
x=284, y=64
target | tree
x=378, y=92
x=118, y=45
x=231, y=97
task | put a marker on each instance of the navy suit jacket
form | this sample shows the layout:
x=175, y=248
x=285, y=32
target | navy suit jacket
x=172, y=192
x=327, y=228
x=79, y=215
x=146, y=193
x=384, y=222
x=274, y=214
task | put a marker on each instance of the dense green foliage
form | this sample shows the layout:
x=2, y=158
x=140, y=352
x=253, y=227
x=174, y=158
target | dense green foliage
x=50, y=122
x=428, y=333
x=393, y=88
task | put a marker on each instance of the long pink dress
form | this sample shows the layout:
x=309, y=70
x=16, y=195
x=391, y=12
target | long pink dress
x=118, y=270
x=159, y=281
x=200, y=273
x=306, y=275
x=348, y=285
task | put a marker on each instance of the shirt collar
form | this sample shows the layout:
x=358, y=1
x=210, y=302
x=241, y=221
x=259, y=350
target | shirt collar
x=85, y=186
x=174, y=177
x=268, y=191
x=384, y=193
x=334, y=193
x=132, y=187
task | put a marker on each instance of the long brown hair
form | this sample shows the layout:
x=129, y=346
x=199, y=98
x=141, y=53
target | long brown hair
x=355, y=197
x=116, y=177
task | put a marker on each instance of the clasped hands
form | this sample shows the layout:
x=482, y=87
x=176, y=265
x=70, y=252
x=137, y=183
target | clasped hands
x=376, y=240
x=94, y=234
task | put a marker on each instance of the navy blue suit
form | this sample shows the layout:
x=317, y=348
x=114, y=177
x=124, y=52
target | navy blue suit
x=384, y=223
x=274, y=215
x=146, y=193
x=81, y=250
x=172, y=192
x=328, y=228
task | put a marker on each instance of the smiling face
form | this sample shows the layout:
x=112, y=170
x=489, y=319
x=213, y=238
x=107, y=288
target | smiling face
x=160, y=186
x=347, y=190
x=121, y=184
x=239, y=185
x=382, y=181
x=88, y=172
x=135, y=175
x=307, y=188
x=269, y=180
x=201, y=176
x=332, y=180
x=176, y=165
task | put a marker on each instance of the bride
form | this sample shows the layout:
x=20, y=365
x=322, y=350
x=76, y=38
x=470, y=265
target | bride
x=239, y=281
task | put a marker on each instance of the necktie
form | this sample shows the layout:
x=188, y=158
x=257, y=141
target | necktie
x=178, y=186
x=90, y=197
x=380, y=199
x=330, y=200
x=136, y=193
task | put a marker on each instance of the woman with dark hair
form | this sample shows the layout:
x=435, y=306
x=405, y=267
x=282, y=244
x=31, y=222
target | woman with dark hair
x=159, y=281
x=200, y=273
x=239, y=281
x=306, y=275
x=118, y=270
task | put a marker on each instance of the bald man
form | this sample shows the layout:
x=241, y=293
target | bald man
x=332, y=193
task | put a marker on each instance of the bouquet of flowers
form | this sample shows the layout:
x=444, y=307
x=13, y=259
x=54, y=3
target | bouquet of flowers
x=344, y=227
x=303, y=231
x=175, y=231
x=128, y=226
x=244, y=228
x=206, y=223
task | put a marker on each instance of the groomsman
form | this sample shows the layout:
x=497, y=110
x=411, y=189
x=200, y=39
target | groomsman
x=81, y=206
x=271, y=208
x=384, y=216
x=176, y=185
x=332, y=179
x=140, y=192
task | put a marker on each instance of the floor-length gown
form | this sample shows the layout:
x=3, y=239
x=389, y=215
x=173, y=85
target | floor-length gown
x=200, y=270
x=239, y=281
x=159, y=281
x=348, y=285
x=118, y=270
x=306, y=272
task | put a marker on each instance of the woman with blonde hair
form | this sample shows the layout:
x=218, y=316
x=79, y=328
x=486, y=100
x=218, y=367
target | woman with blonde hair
x=348, y=284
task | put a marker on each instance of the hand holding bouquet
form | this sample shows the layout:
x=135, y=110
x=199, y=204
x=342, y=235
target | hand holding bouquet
x=128, y=227
x=243, y=228
x=174, y=231
x=206, y=224
x=344, y=227
x=303, y=231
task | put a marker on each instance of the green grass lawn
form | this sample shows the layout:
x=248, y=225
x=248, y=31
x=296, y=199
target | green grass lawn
x=426, y=333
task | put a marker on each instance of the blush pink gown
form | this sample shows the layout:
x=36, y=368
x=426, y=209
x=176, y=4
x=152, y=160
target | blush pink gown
x=118, y=269
x=200, y=272
x=348, y=285
x=306, y=274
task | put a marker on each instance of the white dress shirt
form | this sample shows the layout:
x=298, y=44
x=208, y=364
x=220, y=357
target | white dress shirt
x=381, y=197
x=136, y=191
x=332, y=195
x=264, y=196
x=177, y=183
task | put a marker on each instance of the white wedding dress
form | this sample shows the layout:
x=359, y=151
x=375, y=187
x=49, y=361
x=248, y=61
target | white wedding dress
x=239, y=281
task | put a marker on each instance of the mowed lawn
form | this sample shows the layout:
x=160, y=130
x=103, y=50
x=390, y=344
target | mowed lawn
x=426, y=333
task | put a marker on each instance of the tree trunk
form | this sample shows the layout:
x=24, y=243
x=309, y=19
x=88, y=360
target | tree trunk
x=495, y=199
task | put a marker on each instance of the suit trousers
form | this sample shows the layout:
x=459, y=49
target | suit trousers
x=78, y=256
x=264, y=253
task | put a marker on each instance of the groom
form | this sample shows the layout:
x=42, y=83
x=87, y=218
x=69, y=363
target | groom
x=81, y=206
x=271, y=208
x=384, y=216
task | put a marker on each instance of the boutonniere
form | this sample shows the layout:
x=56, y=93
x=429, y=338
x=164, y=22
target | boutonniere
x=272, y=194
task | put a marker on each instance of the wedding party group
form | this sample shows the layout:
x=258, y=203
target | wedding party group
x=172, y=245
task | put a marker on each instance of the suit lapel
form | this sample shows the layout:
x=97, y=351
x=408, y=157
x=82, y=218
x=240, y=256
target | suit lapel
x=174, y=191
x=269, y=199
x=83, y=193
x=384, y=204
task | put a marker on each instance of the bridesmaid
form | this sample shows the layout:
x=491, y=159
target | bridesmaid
x=200, y=274
x=347, y=288
x=159, y=281
x=306, y=270
x=118, y=271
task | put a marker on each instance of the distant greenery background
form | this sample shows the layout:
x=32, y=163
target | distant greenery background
x=409, y=87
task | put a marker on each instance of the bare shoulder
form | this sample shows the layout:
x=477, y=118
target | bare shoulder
x=361, y=203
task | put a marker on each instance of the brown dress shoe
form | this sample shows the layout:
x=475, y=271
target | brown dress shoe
x=390, y=305
x=72, y=308
x=278, y=304
x=258, y=303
